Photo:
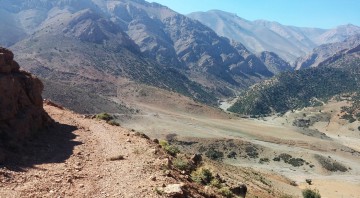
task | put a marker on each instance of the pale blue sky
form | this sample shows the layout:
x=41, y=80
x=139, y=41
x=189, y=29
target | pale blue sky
x=303, y=13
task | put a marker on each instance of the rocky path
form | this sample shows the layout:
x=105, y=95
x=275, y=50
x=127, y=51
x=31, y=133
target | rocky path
x=82, y=157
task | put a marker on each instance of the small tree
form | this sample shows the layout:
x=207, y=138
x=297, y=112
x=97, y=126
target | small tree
x=309, y=193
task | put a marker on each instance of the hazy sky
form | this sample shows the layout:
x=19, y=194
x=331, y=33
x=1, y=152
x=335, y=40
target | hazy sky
x=303, y=13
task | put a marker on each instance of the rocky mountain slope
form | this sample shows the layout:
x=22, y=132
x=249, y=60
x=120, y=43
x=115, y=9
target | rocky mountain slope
x=93, y=44
x=348, y=59
x=326, y=51
x=288, y=42
x=274, y=63
x=338, y=74
x=22, y=114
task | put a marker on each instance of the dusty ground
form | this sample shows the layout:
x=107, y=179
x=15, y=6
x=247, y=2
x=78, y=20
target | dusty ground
x=73, y=159
x=163, y=113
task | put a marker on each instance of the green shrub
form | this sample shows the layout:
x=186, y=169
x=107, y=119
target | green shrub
x=202, y=176
x=290, y=160
x=104, y=116
x=296, y=162
x=232, y=154
x=226, y=192
x=163, y=143
x=214, y=154
x=357, y=115
x=182, y=163
x=215, y=183
x=308, y=193
x=264, y=160
x=286, y=157
x=172, y=150
x=276, y=159
x=348, y=117
x=251, y=151
x=330, y=164
x=159, y=191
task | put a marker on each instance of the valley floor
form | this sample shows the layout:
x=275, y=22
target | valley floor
x=203, y=127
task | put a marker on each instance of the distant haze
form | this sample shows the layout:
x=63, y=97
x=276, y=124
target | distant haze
x=301, y=13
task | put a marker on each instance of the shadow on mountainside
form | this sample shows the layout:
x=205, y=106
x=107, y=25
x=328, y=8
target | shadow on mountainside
x=53, y=145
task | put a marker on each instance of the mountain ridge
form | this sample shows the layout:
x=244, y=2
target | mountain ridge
x=338, y=74
x=137, y=40
x=289, y=42
x=325, y=51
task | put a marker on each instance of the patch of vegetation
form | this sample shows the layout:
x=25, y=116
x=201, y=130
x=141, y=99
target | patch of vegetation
x=113, y=123
x=251, y=151
x=265, y=181
x=296, y=162
x=348, y=117
x=142, y=135
x=171, y=137
x=309, y=193
x=108, y=118
x=182, y=163
x=202, y=176
x=285, y=157
x=276, y=159
x=357, y=115
x=293, y=90
x=233, y=154
x=214, y=154
x=104, y=116
x=264, y=160
x=226, y=192
x=159, y=191
x=330, y=164
x=216, y=183
x=171, y=149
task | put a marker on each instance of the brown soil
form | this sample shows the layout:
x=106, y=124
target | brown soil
x=80, y=157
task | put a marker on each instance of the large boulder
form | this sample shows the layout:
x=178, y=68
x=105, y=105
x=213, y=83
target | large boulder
x=21, y=107
x=7, y=63
x=174, y=190
x=239, y=190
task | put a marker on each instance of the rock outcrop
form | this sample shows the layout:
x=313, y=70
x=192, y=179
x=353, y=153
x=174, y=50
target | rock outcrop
x=21, y=110
x=239, y=190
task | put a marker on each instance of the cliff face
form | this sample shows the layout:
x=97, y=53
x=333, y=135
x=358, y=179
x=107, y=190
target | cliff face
x=21, y=110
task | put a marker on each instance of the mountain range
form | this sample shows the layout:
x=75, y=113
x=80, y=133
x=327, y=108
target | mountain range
x=289, y=42
x=92, y=44
x=89, y=47
x=325, y=51
x=336, y=71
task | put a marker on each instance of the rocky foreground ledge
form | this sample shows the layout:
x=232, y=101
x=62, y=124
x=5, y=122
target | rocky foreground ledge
x=21, y=105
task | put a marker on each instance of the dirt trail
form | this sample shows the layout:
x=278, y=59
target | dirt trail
x=83, y=168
